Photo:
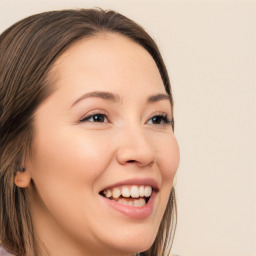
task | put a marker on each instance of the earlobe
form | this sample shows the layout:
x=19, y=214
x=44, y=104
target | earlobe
x=22, y=178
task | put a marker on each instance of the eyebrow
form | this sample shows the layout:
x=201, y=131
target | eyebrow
x=109, y=96
x=98, y=94
x=158, y=97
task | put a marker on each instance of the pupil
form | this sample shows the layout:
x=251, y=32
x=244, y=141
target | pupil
x=98, y=118
x=157, y=119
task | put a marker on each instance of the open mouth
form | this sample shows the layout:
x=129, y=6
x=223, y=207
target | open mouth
x=131, y=195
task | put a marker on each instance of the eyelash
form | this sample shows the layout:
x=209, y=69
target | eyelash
x=87, y=118
x=164, y=120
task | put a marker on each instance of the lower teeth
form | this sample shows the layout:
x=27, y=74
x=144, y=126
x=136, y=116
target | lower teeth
x=132, y=202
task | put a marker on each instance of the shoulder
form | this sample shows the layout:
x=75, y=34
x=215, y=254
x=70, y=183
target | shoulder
x=3, y=252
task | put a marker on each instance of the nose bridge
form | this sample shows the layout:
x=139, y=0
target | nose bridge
x=134, y=146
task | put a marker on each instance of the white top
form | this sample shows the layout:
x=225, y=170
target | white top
x=3, y=252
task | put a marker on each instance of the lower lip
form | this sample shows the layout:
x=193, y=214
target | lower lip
x=133, y=211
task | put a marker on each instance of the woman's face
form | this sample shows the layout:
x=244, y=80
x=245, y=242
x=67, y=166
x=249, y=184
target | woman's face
x=102, y=142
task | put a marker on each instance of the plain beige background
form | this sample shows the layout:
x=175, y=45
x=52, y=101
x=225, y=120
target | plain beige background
x=210, y=51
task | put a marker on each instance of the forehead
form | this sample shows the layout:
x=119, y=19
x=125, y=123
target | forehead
x=107, y=61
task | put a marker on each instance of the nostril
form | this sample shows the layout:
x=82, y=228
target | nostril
x=131, y=161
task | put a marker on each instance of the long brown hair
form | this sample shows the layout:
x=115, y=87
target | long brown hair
x=28, y=50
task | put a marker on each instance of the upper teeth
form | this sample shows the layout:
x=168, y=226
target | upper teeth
x=129, y=191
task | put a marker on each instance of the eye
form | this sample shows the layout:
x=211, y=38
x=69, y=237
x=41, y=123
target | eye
x=96, y=118
x=160, y=119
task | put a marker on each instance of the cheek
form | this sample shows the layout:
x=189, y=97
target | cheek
x=168, y=157
x=65, y=169
x=168, y=161
x=71, y=154
x=67, y=165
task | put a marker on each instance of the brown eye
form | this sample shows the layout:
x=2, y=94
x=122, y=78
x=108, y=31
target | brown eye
x=159, y=119
x=99, y=118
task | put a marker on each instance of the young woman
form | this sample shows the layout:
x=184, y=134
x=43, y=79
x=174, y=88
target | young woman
x=88, y=154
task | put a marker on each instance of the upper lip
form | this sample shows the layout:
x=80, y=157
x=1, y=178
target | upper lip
x=135, y=181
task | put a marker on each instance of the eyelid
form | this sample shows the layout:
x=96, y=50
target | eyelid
x=92, y=113
x=160, y=113
x=165, y=117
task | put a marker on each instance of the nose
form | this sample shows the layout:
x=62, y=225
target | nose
x=134, y=147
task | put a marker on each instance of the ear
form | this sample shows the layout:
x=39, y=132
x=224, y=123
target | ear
x=22, y=178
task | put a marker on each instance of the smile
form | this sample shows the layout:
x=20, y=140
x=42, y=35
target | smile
x=135, y=198
x=133, y=195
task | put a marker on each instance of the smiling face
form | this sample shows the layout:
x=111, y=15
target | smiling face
x=104, y=153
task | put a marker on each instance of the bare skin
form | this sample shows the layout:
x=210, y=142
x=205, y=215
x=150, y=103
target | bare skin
x=86, y=141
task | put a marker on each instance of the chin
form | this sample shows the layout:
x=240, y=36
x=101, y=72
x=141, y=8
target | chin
x=133, y=243
x=139, y=247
